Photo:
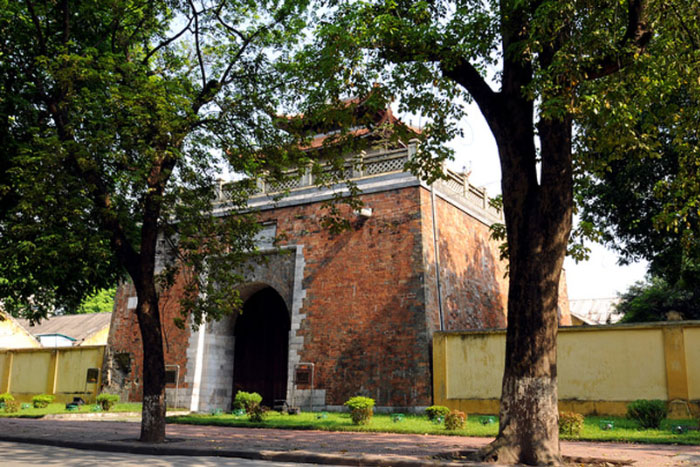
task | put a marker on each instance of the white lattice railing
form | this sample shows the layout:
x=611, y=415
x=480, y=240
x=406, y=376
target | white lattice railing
x=364, y=165
x=370, y=164
x=459, y=183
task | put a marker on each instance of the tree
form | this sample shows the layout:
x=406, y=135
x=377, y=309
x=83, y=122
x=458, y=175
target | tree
x=101, y=302
x=116, y=116
x=429, y=55
x=642, y=201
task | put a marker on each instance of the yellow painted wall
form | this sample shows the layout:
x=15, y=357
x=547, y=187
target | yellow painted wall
x=61, y=372
x=14, y=336
x=611, y=365
x=600, y=368
x=467, y=357
x=692, y=360
x=30, y=372
x=99, y=338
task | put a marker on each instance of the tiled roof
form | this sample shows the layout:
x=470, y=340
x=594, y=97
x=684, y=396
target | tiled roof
x=595, y=310
x=78, y=327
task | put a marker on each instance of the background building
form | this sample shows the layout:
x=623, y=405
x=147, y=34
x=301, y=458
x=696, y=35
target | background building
x=330, y=316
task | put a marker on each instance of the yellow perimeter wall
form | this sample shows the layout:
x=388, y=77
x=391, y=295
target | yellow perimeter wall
x=62, y=371
x=600, y=368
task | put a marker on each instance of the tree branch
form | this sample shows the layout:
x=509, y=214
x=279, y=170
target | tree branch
x=637, y=35
x=37, y=27
x=167, y=42
x=66, y=21
x=195, y=15
x=467, y=76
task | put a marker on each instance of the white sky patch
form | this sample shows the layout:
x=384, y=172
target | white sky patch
x=600, y=276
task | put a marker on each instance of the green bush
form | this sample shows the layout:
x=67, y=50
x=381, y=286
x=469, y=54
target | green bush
x=455, y=420
x=361, y=409
x=570, y=423
x=435, y=411
x=107, y=401
x=648, y=413
x=6, y=397
x=12, y=406
x=257, y=413
x=42, y=400
x=246, y=401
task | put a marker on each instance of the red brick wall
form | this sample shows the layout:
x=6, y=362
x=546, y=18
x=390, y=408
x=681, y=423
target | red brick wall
x=364, y=326
x=473, y=278
x=371, y=299
x=125, y=338
x=474, y=290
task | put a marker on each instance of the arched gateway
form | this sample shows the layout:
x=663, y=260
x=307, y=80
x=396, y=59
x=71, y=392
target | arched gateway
x=261, y=347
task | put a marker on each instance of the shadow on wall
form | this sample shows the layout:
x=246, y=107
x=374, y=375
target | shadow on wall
x=474, y=290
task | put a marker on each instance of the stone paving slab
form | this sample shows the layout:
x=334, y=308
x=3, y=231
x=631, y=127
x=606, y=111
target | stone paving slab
x=319, y=447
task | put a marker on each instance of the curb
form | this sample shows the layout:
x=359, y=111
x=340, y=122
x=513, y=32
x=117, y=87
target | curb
x=298, y=456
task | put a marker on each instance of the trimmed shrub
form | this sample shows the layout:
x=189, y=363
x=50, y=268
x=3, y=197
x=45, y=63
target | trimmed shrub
x=12, y=406
x=455, y=420
x=435, y=411
x=570, y=423
x=648, y=413
x=42, y=400
x=361, y=409
x=6, y=397
x=257, y=413
x=107, y=401
x=246, y=401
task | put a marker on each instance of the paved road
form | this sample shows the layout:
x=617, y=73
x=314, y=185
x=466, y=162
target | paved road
x=20, y=455
x=303, y=446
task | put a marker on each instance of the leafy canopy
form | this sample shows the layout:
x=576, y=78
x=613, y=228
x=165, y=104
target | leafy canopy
x=117, y=117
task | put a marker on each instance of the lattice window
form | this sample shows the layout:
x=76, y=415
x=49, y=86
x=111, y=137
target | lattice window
x=384, y=166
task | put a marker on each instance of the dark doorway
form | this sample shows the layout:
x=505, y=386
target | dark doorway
x=260, y=359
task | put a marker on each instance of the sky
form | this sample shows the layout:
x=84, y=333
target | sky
x=598, y=277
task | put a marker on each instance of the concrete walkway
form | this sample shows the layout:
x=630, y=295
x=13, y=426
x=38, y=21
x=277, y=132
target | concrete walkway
x=318, y=447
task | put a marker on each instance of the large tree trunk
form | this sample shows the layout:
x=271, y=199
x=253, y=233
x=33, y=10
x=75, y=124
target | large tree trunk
x=538, y=221
x=153, y=377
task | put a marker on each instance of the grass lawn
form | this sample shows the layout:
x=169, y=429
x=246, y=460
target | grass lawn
x=57, y=408
x=623, y=430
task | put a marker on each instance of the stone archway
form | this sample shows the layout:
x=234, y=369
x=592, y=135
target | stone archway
x=261, y=346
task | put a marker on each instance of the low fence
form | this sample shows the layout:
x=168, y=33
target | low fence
x=600, y=368
x=66, y=372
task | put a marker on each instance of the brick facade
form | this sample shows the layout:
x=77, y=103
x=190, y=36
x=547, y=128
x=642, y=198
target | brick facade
x=363, y=304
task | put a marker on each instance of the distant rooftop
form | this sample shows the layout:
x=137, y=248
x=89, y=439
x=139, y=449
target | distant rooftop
x=78, y=327
x=595, y=310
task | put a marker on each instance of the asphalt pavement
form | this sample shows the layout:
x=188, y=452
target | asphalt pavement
x=308, y=446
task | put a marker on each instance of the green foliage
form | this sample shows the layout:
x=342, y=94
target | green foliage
x=455, y=420
x=257, y=413
x=435, y=411
x=12, y=406
x=361, y=409
x=246, y=401
x=625, y=430
x=107, y=401
x=649, y=413
x=570, y=423
x=6, y=397
x=656, y=300
x=42, y=400
x=100, y=302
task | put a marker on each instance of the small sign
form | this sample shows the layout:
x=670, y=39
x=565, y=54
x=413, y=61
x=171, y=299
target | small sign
x=303, y=376
x=92, y=375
